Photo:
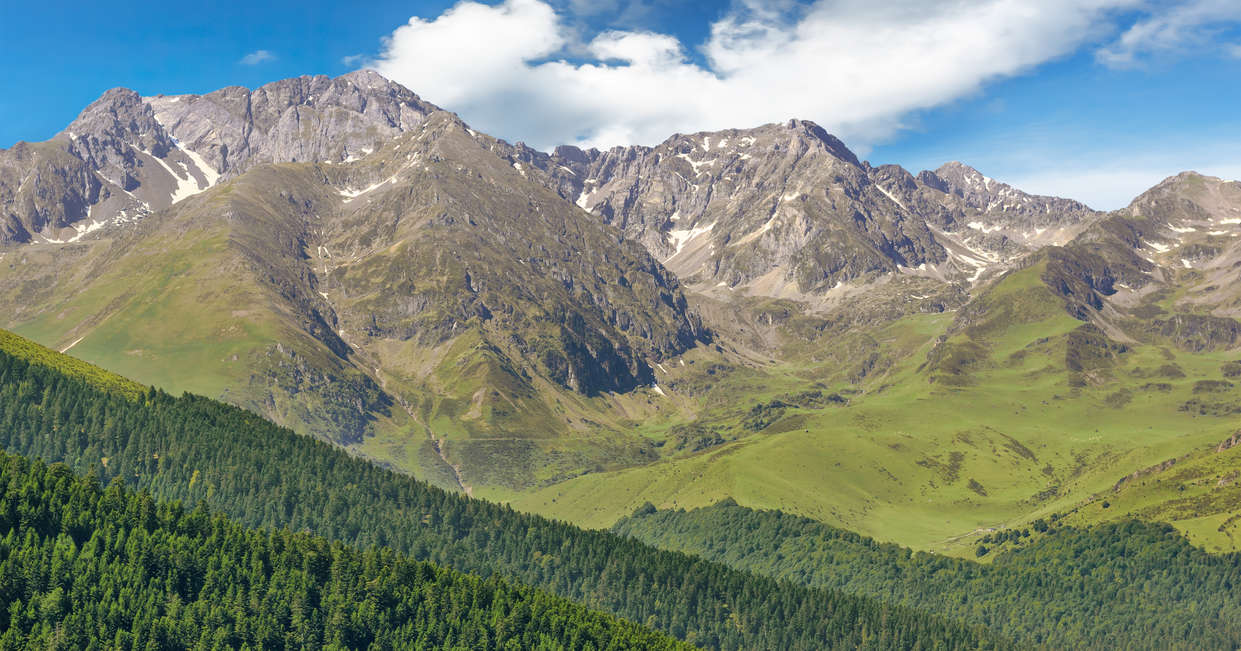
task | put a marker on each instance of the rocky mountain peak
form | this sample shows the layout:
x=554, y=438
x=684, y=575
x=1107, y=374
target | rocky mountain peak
x=118, y=116
x=128, y=155
x=960, y=173
x=817, y=135
x=786, y=209
x=299, y=119
x=978, y=189
x=1190, y=201
x=740, y=206
x=107, y=131
x=985, y=193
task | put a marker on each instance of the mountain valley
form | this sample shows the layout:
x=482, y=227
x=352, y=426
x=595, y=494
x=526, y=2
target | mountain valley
x=753, y=314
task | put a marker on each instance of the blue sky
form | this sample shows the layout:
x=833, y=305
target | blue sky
x=1094, y=99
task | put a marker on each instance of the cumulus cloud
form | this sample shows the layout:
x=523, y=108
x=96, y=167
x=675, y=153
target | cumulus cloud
x=1183, y=27
x=256, y=57
x=521, y=70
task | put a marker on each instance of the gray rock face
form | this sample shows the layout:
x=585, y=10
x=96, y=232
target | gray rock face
x=778, y=209
x=107, y=133
x=304, y=119
x=788, y=210
x=126, y=155
x=445, y=237
x=985, y=225
x=959, y=195
x=985, y=196
x=43, y=188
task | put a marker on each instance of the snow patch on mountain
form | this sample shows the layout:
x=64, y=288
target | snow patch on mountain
x=350, y=194
x=186, y=187
x=979, y=226
x=682, y=237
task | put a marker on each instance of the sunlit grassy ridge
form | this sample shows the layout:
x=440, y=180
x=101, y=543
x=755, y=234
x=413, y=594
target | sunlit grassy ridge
x=1021, y=411
x=1197, y=492
x=26, y=349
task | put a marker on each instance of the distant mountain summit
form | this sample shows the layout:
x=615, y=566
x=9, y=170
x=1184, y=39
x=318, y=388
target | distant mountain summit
x=788, y=210
x=126, y=156
x=779, y=210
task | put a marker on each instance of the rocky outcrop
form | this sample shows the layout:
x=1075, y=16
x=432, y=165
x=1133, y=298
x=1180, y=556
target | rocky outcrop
x=999, y=205
x=43, y=189
x=1199, y=332
x=1138, y=474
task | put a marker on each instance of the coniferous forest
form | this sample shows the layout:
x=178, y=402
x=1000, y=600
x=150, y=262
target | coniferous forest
x=200, y=452
x=1128, y=585
x=90, y=568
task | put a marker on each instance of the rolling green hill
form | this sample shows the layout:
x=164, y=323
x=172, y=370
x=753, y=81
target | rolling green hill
x=23, y=348
x=1196, y=492
x=1004, y=412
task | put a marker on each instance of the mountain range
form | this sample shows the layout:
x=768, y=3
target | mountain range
x=751, y=313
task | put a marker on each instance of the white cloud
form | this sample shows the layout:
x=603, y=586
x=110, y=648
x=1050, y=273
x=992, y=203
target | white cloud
x=855, y=66
x=256, y=57
x=1186, y=26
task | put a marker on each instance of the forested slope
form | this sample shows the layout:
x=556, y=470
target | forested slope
x=1126, y=585
x=197, y=450
x=85, y=567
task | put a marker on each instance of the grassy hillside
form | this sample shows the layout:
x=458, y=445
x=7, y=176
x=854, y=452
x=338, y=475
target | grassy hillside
x=1127, y=585
x=25, y=349
x=176, y=303
x=200, y=451
x=1197, y=492
x=1019, y=411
